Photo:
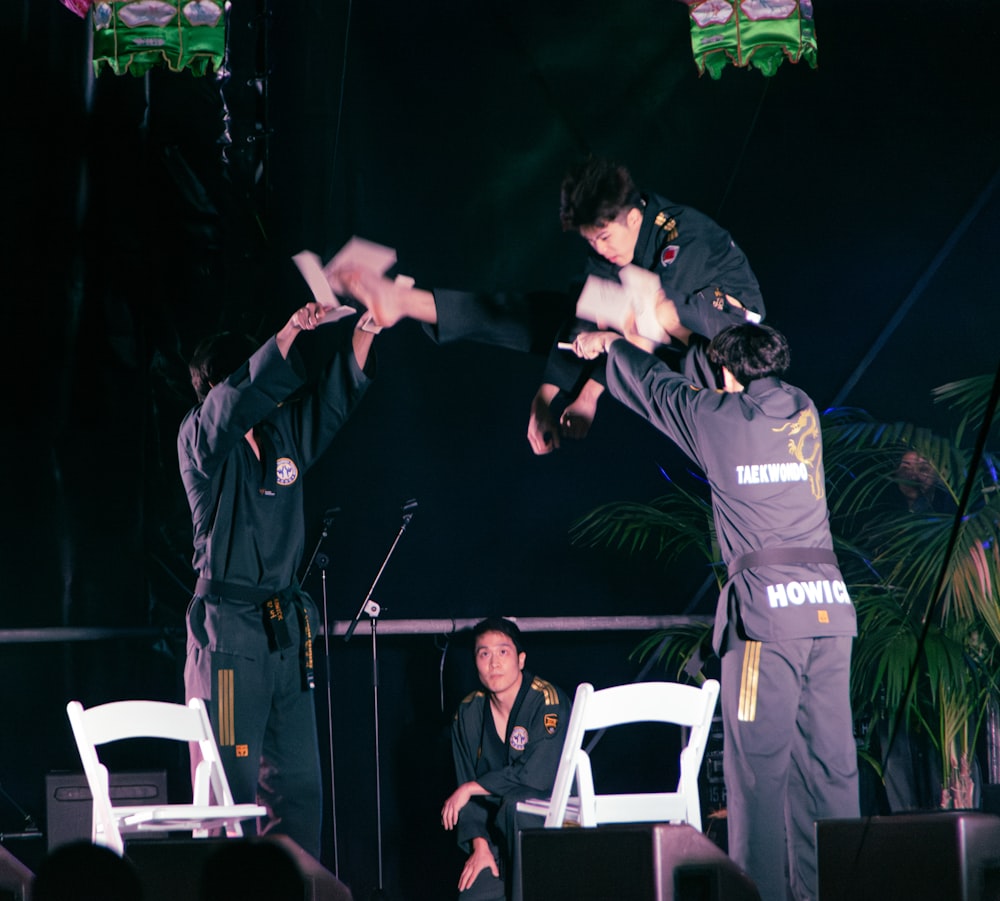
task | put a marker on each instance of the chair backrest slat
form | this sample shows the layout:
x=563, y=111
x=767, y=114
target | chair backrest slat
x=688, y=706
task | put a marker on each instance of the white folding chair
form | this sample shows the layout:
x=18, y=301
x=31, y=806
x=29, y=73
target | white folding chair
x=688, y=706
x=212, y=806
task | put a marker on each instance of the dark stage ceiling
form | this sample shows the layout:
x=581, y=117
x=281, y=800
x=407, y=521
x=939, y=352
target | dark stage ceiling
x=864, y=192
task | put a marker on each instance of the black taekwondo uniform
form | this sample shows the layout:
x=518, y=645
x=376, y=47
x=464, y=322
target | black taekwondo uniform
x=249, y=624
x=784, y=622
x=521, y=765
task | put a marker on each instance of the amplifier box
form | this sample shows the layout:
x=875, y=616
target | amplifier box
x=628, y=862
x=68, y=807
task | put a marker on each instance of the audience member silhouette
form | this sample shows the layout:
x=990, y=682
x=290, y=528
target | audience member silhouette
x=83, y=871
x=251, y=870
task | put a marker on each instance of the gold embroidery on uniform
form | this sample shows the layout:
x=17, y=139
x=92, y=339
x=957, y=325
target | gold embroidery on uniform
x=669, y=225
x=546, y=688
x=806, y=447
x=747, y=711
x=227, y=714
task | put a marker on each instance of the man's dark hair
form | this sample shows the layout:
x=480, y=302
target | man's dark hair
x=595, y=192
x=498, y=624
x=216, y=358
x=750, y=351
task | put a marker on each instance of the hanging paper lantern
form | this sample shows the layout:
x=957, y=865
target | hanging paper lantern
x=761, y=33
x=136, y=35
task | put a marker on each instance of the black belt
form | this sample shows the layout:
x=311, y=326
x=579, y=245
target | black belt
x=274, y=615
x=253, y=595
x=772, y=556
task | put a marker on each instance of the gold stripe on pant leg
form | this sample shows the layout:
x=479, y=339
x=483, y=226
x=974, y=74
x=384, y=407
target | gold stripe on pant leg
x=748, y=682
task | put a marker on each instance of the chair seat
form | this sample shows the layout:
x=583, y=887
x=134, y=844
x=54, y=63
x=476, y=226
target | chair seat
x=183, y=816
x=667, y=807
x=537, y=806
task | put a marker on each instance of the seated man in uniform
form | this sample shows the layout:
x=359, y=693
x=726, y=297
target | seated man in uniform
x=506, y=739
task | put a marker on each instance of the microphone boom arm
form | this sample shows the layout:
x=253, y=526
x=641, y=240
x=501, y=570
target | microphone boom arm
x=369, y=606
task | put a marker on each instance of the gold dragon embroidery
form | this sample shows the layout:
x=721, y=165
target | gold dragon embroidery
x=806, y=446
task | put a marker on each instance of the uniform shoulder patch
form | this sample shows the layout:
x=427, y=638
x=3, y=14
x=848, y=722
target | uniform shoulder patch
x=547, y=689
x=468, y=699
x=669, y=255
x=551, y=722
x=668, y=224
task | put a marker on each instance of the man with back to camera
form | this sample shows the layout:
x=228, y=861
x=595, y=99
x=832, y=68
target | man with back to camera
x=706, y=279
x=784, y=622
x=243, y=450
x=507, y=738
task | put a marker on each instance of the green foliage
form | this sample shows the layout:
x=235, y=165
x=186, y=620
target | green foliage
x=664, y=528
x=968, y=396
x=675, y=648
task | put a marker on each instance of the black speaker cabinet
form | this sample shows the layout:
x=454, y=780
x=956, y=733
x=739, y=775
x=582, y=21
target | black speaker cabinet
x=171, y=869
x=631, y=862
x=68, y=807
x=15, y=878
x=932, y=856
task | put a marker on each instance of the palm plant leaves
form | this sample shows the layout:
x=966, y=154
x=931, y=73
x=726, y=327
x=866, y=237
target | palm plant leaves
x=861, y=455
x=885, y=652
x=913, y=550
x=967, y=396
x=663, y=528
x=675, y=648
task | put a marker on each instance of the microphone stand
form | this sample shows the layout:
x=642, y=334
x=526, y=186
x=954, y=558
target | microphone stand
x=323, y=561
x=328, y=518
x=372, y=608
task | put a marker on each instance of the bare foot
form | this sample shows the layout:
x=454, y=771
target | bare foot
x=387, y=300
x=578, y=416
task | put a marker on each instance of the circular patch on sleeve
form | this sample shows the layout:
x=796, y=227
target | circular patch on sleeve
x=519, y=738
x=669, y=255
